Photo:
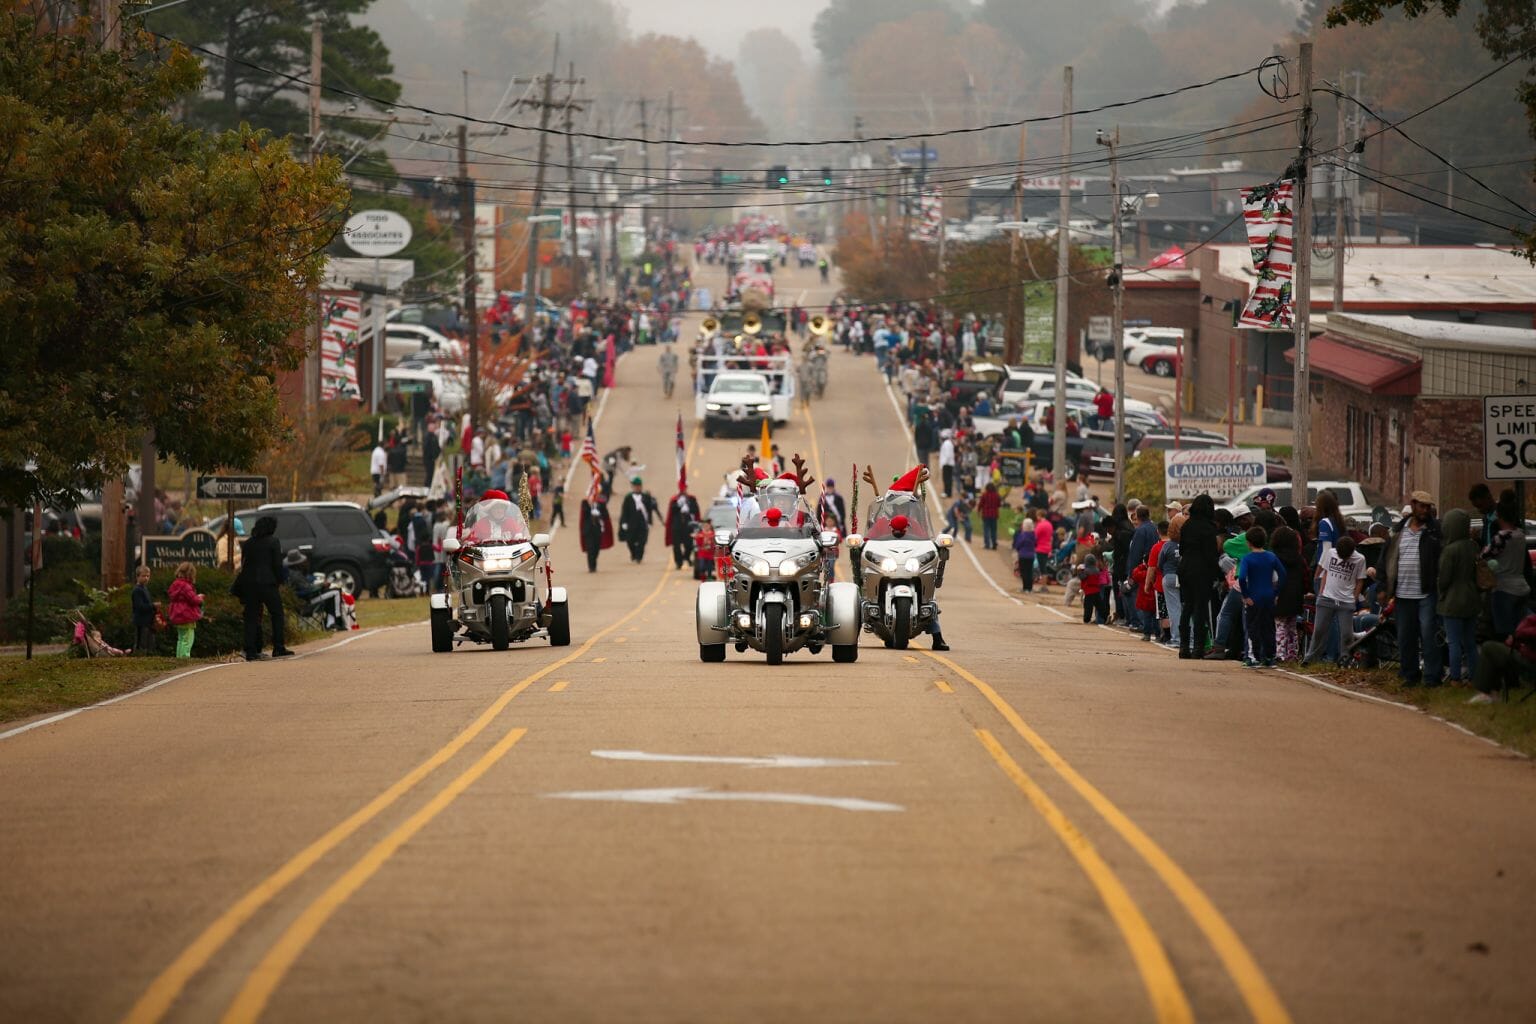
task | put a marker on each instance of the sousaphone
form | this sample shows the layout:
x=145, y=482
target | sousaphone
x=820, y=326
x=752, y=323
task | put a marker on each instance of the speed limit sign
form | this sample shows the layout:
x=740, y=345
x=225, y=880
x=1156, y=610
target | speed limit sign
x=1509, y=437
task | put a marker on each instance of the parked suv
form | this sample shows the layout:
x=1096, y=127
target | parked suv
x=338, y=536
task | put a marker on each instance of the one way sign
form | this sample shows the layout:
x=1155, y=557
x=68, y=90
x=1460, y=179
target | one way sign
x=232, y=488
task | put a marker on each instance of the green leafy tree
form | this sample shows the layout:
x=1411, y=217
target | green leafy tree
x=152, y=275
x=1506, y=27
x=272, y=40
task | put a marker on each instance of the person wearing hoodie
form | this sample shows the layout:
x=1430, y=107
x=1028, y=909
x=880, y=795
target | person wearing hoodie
x=1199, y=569
x=1460, y=602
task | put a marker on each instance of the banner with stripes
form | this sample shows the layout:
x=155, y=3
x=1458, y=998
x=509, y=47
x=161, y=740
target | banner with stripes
x=1268, y=211
x=930, y=217
x=338, y=347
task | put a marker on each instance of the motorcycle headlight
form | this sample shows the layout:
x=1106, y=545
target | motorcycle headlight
x=754, y=565
x=887, y=565
x=799, y=563
x=914, y=564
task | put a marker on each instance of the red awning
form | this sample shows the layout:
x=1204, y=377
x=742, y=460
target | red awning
x=1172, y=256
x=1363, y=368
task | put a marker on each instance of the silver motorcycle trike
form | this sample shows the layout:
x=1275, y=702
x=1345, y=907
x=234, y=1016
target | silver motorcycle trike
x=898, y=566
x=777, y=599
x=500, y=588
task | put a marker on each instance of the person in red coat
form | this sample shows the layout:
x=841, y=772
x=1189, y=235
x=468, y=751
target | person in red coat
x=989, y=505
x=682, y=514
x=596, y=530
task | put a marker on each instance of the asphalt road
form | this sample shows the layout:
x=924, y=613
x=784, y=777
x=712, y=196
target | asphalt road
x=1051, y=823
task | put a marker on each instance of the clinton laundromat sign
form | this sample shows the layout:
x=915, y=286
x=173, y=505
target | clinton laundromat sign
x=1223, y=473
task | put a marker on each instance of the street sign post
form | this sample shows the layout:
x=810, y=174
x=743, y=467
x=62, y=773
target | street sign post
x=232, y=488
x=196, y=546
x=1509, y=437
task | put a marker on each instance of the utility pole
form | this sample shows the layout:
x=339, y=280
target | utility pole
x=316, y=70
x=114, y=537
x=1013, y=341
x=471, y=275
x=1301, y=414
x=1340, y=230
x=666, y=206
x=570, y=182
x=645, y=148
x=1063, y=265
x=1117, y=310
x=531, y=281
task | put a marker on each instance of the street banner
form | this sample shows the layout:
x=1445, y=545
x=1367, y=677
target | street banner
x=1269, y=215
x=1223, y=473
x=338, y=346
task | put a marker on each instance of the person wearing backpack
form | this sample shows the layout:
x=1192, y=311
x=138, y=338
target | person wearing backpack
x=186, y=608
x=1461, y=601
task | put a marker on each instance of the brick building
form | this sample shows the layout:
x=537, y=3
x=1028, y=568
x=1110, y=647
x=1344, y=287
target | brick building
x=1397, y=402
x=1474, y=285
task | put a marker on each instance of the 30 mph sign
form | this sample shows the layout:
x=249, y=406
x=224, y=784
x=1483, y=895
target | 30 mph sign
x=1509, y=437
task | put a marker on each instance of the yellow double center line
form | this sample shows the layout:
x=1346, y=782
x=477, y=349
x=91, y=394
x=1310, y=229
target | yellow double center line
x=162, y=993
x=1260, y=997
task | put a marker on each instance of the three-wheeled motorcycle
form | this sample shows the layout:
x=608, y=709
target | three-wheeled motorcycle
x=898, y=566
x=500, y=585
x=777, y=599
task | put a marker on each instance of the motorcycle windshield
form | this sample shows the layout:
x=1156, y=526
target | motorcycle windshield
x=899, y=503
x=495, y=522
x=778, y=515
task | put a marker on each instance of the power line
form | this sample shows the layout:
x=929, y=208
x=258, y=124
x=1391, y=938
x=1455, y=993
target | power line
x=299, y=80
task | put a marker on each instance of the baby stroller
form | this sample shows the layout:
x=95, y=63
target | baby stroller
x=88, y=638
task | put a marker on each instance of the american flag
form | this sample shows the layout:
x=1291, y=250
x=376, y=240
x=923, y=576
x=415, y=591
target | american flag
x=682, y=457
x=589, y=456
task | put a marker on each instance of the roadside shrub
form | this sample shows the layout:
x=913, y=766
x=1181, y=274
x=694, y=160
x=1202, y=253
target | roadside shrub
x=50, y=622
x=221, y=631
x=1144, y=479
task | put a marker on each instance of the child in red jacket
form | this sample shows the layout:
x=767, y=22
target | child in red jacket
x=186, y=608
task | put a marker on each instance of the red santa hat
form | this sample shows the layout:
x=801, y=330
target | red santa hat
x=759, y=474
x=908, y=481
x=792, y=478
x=494, y=495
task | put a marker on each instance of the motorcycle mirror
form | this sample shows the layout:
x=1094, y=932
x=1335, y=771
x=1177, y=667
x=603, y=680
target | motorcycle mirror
x=944, y=540
x=723, y=536
x=828, y=539
x=855, y=540
x=451, y=545
x=541, y=541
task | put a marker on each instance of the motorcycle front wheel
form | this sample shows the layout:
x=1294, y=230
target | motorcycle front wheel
x=773, y=639
x=500, y=629
x=901, y=628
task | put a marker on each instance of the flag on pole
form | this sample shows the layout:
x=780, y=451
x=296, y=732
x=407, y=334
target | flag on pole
x=766, y=449
x=589, y=456
x=682, y=457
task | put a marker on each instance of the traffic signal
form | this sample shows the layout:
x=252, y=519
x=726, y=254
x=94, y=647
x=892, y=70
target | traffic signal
x=826, y=175
x=778, y=176
x=718, y=177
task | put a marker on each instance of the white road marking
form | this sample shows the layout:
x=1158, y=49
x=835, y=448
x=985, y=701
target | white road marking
x=765, y=761
x=683, y=793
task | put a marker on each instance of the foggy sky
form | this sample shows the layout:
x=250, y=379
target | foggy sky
x=719, y=26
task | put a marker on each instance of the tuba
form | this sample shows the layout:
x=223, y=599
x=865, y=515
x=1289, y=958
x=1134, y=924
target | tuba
x=820, y=325
x=710, y=327
x=752, y=323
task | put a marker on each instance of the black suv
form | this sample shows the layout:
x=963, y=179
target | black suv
x=338, y=536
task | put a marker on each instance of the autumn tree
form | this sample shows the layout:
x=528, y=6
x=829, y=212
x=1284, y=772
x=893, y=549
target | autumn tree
x=1506, y=27
x=259, y=45
x=152, y=275
x=883, y=265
